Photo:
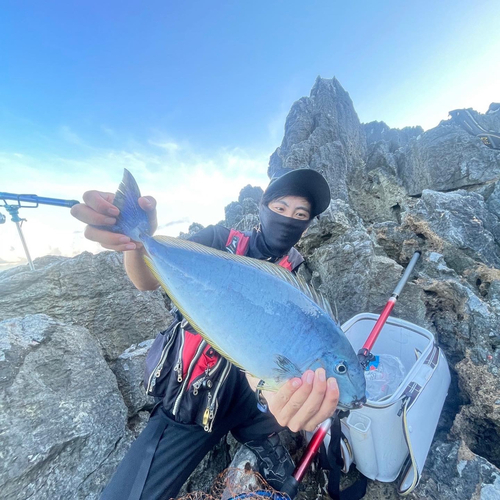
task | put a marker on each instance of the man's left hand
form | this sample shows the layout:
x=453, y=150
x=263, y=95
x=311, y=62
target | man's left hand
x=304, y=403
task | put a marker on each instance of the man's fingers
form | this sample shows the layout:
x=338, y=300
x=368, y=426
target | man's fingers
x=109, y=240
x=148, y=204
x=120, y=248
x=309, y=407
x=296, y=400
x=329, y=404
x=277, y=400
x=101, y=202
x=88, y=215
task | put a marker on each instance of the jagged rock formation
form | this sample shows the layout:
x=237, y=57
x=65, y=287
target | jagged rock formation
x=323, y=132
x=394, y=192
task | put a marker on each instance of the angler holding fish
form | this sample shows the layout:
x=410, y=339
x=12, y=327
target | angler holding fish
x=240, y=309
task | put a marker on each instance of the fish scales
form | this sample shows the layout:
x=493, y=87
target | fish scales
x=273, y=317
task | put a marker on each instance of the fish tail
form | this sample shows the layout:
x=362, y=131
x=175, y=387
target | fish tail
x=132, y=220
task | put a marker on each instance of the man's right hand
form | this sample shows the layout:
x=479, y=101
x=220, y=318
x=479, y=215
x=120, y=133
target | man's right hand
x=98, y=210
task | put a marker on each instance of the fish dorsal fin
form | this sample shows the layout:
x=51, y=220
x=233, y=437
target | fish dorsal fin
x=273, y=269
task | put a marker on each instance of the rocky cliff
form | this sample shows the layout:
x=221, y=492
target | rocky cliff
x=70, y=377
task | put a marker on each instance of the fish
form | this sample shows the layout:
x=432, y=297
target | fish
x=259, y=316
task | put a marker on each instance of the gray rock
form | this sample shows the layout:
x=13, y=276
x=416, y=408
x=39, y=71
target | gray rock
x=345, y=267
x=87, y=290
x=129, y=371
x=253, y=192
x=323, y=132
x=478, y=423
x=393, y=137
x=458, y=225
x=453, y=472
x=379, y=197
x=493, y=201
x=194, y=228
x=61, y=412
x=242, y=215
x=446, y=158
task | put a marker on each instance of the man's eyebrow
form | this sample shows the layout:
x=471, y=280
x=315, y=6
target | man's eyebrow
x=304, y=208
x=283, y=202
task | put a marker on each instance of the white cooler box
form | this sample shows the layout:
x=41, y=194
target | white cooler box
x=384, y=435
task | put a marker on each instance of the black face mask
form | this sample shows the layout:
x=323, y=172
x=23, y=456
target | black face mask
x=278, y=233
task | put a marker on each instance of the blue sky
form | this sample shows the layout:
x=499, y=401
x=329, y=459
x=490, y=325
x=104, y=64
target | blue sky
x=192, y=95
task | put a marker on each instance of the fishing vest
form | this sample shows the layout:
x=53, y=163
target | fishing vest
x=184, y=371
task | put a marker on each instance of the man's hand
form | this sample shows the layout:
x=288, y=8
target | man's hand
x=304, y=403
x=98, y=210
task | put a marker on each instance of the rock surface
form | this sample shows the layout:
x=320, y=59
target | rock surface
x=61, y=413
x=88, y=290
x=129, y=372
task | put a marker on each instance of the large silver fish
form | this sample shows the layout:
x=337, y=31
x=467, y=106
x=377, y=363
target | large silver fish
x=256, y=314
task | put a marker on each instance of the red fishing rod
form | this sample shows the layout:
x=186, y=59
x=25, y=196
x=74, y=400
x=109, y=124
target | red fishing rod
x=364, y=356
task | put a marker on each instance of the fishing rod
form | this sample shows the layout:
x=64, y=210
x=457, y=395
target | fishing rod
x=13, y=202
x=291, y=485
x=364, y=354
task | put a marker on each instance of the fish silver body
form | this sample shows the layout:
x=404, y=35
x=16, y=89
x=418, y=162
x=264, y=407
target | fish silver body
x=254, y=313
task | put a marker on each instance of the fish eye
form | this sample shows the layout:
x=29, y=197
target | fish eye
x=341, y=368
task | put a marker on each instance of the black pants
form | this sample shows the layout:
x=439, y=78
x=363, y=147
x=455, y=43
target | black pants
x=175, y=449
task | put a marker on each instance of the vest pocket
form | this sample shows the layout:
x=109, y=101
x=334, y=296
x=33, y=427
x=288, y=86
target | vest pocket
x=157, y=368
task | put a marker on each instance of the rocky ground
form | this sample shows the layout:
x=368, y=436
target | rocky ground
x=75, y=331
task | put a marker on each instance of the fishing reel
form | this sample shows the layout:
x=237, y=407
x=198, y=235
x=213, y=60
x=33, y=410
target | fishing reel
x=2, y=218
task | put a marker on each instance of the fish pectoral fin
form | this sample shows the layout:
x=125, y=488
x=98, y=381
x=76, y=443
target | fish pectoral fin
x=286, y=369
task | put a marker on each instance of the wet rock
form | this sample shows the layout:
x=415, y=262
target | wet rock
x=88, y=290
x=61, y=413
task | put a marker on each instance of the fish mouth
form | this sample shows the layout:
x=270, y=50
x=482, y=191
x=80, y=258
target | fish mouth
x=358, y=403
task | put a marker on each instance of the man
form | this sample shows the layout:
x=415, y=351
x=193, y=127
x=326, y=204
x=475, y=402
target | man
x=202, y=396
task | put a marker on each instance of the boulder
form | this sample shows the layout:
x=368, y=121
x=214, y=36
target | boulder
x=61, y=413
x=88, y=290
x=455, y=473
x=458, y=225
x=129, y=372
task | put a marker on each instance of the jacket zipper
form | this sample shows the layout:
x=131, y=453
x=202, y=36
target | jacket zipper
x=208, y=372
x=155, y=374
x=213, y=404
x=178, y=365
x=188, y=375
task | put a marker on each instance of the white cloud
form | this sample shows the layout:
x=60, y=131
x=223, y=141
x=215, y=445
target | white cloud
x=189, y=186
